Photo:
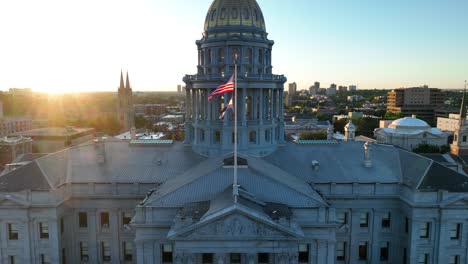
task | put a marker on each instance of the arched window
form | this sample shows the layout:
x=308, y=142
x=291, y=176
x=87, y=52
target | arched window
x=202, y=57
x=253, y=137
x=267, y=135
x=221, y=55
x=213, y=15
x=223, y=13
x=248, y=56
x=260, y=56
x=202, y=135
x=235, y=52
x=246, y=14
x=209, y=56
x=234, y=13
x=256, y=14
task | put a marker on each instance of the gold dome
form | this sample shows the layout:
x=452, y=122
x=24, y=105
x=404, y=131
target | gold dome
x=235, y=14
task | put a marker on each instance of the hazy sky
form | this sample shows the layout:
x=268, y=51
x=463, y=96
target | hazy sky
x=63, y=45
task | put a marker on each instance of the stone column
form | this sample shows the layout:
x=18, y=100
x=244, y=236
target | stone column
x=209, y=105
x=244, y=94
x=281, y=117
x=140, y=252
x=251, y=258
x=26, y=236
x=331, y=252
x=262, y=106
x=188, y=112
x=220, y=259
x=321, y=251
x=92, y=241
x=54, y=250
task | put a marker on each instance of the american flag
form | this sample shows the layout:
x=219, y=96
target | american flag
x=224, y=88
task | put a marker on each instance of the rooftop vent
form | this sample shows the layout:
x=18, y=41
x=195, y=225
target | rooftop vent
x=315, y=165
x=367, y=154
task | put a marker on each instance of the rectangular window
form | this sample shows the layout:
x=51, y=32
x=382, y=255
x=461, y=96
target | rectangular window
x=84, y=255
x=406, y=225
x=424, y=230
x=341, y=250
x=384, y=251
x=128, y=251
x=106, y=251
x=12, y=231
x=167, y=253
x=263, y=258
x=454, y=231
x=104, y=220
x=342, y=217
x=454, y=259
x=43, y=230
x=364, y=220
x=362, y=250
x=62, y=225
x=464, y=138
x=423, y=259
x=126, y=218
x=405, y=256
x=386, y=220
x=207, y=258
x=217, y=137
x=235, y=258
x=45, y=259
x=12, y=260
x=304, y=253
x=83, y=219
x=64, y=257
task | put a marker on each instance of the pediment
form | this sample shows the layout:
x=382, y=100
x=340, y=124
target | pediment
x=10, y=201
x=461, y=202
x=237, y=225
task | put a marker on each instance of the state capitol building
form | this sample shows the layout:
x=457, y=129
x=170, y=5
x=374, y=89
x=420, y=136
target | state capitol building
x=153, y=201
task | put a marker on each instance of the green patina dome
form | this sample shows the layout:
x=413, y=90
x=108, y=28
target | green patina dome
x=234, y=14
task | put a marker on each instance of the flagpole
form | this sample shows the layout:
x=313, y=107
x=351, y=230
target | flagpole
x=235, y=187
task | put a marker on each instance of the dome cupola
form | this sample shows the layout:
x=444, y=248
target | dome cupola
x=242, y=16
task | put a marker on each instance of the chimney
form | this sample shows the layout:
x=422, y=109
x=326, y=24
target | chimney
x=100, y=148
x=367, y=155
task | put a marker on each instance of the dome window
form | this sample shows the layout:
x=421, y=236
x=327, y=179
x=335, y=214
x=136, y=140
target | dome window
x=256, y=14
x=223, y=13
x=213, y=15
x=234, y=13
x=246, y=14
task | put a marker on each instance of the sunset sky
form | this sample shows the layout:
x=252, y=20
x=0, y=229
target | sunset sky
x=71, y=46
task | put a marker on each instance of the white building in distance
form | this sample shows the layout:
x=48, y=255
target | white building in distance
x=409, y=132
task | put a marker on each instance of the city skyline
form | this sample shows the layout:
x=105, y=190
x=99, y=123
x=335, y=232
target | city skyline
x=82, y=46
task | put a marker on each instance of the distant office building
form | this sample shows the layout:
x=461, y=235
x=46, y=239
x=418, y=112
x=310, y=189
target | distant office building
x=354, y=98
x=352, y=88
x=20, y=91
x=332, y=89
x=12, y=125
x=179, y=88
x=125, y=111
x=409, y=132
x=420, y=101
x=451, y=123
x=51, y=139
x=150, y=109
x=342, y=89
x=12, y=147
x=292, y=89
x=314, y=89
x=322, y=90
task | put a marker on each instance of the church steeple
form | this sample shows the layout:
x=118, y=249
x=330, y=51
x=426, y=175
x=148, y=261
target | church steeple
x=127, y=83
x=463, y=107
x=121, y=80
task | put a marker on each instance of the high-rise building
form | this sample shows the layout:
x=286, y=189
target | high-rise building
x=292, y=89
x=332, y=89
x=125, y=111
x=352, y=88
x=419, y=101
x=314, y=89
x=342, y=89
x=179, y=88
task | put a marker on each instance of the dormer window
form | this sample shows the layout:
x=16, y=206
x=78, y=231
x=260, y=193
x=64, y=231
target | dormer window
x=229, y=162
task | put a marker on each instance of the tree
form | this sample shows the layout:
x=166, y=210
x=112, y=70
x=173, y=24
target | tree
x=313, y=135
x=365, y=126
x=428, y=148
x=339, y=125
x=393, y=116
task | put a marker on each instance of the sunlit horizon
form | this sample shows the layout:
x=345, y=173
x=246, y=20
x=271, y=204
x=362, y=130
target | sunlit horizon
x=81, y=46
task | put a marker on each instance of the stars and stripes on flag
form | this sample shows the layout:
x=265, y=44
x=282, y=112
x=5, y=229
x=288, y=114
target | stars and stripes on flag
x=228, y=87
x=227, y=107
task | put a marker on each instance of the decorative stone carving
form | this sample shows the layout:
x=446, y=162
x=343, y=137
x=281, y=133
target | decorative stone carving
x=236, y=227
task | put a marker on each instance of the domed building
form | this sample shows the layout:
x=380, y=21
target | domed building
x=409, y=132
x=152, y=201
x=234, y=29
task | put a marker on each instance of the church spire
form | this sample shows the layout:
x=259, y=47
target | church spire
x=463, y=106
x=121, y=80
x=127, y=84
